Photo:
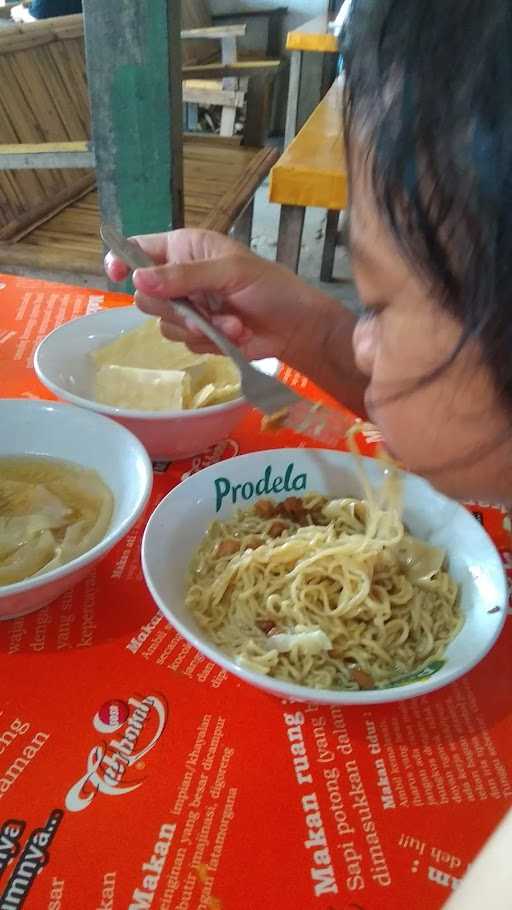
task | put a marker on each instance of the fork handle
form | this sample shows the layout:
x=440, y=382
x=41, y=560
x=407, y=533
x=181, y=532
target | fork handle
x=134, y=256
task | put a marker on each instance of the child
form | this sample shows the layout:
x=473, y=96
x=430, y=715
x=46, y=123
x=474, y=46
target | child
x=428, y=131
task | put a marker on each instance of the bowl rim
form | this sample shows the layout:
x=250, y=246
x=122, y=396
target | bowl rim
x=126, y=413
x=294, y=691
x=112, y=536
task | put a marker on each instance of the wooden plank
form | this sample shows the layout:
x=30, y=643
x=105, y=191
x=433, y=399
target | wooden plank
x=239, y=69
x=29, y=148
x=215, y=31
x=329, y=250
x=289, y=240
x=242, y=191
x=313, y=36
x=55, y=258
x=62, y=27
x=292, y=106
x=242, y=228
x=46, y=155
x=204, y=84
x=252, y=13
x=227, y=120
x=23, y=42
x=258, y=100
x=193, y=139
x=38, y=214
x=134, y=77
x=228, y=115
x=312, y=170
x=213, y=96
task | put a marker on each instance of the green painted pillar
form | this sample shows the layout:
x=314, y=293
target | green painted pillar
x=133, y=50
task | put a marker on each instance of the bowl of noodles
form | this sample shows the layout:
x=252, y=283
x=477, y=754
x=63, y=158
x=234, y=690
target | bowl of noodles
x=72, y=484
x=117, y=363
x=318, y=576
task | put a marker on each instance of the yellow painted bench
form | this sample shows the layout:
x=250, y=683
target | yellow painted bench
x=314, y=36
x=312, y=172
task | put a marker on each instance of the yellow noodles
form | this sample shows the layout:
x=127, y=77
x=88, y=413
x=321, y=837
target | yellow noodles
x=330, y=594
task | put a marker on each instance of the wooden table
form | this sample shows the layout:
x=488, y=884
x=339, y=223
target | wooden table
x=312, y=37
x=312, y=172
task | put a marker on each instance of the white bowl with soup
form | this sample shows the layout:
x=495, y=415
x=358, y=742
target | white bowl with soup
x=65, y=364
x=72, y=484
x=312, y=594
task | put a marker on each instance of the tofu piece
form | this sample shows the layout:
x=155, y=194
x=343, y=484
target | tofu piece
x=313, y=641
x=146, y=348
x=211, y=378
x=214, y=394
x=143, y=390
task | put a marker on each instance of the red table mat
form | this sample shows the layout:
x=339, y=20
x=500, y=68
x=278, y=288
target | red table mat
x=134, y=773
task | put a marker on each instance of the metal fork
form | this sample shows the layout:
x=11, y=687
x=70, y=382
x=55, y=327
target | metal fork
x=281, y=404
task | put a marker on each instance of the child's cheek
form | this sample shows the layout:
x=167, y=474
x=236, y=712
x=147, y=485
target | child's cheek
x=401, y=427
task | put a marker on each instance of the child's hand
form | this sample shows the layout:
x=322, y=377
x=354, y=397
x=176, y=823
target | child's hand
x=259, y=305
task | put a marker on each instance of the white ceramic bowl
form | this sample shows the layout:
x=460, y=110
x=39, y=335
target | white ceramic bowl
x=37, y=428
x=63, y=366
x=178, y=524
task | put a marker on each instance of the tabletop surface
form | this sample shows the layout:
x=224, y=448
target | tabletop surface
x=312, y=170
x=135, y=773
x=313, y=36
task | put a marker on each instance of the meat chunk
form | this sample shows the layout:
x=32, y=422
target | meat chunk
x=293, y=508
x=362, y=678
x=264, y=508
x=227, y=547
x=277, y=528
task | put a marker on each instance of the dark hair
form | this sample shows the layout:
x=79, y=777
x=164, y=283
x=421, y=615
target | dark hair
x=429, y=88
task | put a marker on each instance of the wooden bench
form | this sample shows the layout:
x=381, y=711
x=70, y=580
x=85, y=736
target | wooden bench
x=49, y=216
x=312, y=37
x=312, y=172
x=231, y=93
x=220, y=180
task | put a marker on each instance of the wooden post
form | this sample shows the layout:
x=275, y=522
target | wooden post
x=134, y=78
x=292, y=108
x=329, y=250
x=258, y=100
x=242, y=228
x=289, y=240
x=228, y=116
